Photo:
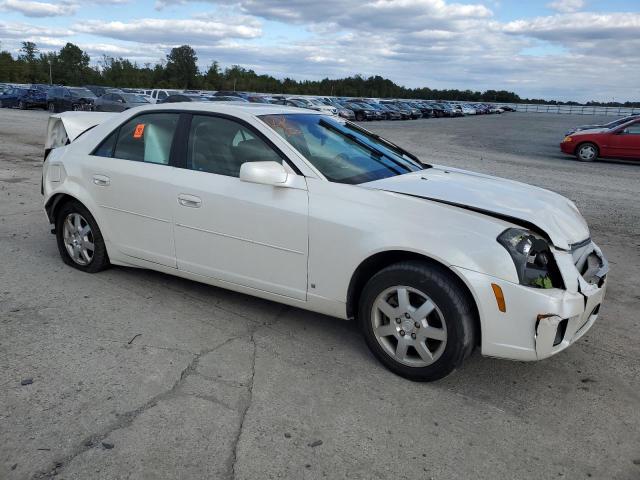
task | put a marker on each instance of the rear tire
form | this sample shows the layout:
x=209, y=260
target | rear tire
x=80, y=241
x=417, y=320
x=587, y=152
x=21, y=105
x=360, y=117
x=51, y=107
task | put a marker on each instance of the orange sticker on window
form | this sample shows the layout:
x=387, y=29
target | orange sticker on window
x=139, y=131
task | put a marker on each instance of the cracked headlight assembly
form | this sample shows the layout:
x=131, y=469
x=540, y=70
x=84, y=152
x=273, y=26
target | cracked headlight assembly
x=532, y=258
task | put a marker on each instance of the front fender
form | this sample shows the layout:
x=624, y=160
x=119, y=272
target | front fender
x=348, y=224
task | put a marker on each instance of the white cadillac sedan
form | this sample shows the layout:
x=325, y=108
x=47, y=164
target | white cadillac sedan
x=296, y=207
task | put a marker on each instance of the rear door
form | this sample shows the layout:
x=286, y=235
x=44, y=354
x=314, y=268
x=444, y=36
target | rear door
x=130, y=178
x=242, y=233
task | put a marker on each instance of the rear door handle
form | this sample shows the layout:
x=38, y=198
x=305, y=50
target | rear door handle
x=101, y=180
x=189, y=201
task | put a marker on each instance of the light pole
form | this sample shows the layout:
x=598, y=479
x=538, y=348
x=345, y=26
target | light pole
x=50, y=77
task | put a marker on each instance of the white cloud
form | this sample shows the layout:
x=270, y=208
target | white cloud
x=178, y=31
x=39, y=9
x=566, y=6
x=435, y=43
x=25, y=31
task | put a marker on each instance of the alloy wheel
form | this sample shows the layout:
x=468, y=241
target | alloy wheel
x=409, y=326
x=78, y=239
x=587, y=152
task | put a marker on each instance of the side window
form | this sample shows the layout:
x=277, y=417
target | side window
x=147, y=138
x=221, y=146
x=108, y=97
x=162, y=95
x=633, y=129
x=105, y=149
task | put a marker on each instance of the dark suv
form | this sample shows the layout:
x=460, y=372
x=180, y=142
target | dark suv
x=22, y=98
x=61, y=99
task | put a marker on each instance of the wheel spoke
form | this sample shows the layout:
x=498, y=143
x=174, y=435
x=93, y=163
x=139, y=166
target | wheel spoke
x=69, y=224
x=85, y=230
x=424, y=310
x=88, y=245
x=403, y=300
x=85, y=255
x=77, y=222
x=424, y=352
x=386, y=330
x=401, y=349
x=434, y=333
x=387, y=309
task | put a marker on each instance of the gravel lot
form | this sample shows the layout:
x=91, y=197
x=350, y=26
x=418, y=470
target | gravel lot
x=142, y=375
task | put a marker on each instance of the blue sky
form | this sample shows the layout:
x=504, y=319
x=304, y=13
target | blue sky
x=563, y=49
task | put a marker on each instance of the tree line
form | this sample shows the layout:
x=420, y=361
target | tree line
x=72, y=66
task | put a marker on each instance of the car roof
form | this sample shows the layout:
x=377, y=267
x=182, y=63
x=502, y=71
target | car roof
x=230, y=108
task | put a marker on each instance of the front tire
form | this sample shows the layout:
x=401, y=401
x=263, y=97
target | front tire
x=587, y=152
x=417, y=320
x=22, y=105
x=51, y=107
x=80, y=241
x=360, y=117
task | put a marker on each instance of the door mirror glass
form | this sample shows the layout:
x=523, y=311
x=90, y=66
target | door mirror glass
x=266, y=173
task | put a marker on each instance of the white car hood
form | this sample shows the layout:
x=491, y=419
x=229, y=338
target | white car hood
x=550, y=212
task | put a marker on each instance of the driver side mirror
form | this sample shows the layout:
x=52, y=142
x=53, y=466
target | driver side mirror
x=265, y=173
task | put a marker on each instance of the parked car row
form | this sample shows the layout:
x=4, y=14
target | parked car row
x=617, y=139
x=107, y=99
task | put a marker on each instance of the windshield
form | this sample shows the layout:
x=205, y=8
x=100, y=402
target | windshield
x=133, y=98
x=620, y=121
x=341, y=151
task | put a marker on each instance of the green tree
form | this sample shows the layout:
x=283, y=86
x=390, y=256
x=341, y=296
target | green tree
x=28, y=56
x=213, y=78
x=182, y=68
x=72, y=66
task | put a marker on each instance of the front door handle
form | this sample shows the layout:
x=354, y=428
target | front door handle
x=101, y=180
x=189, y=201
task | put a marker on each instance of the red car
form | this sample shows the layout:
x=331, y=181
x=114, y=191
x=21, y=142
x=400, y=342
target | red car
x=621, y=142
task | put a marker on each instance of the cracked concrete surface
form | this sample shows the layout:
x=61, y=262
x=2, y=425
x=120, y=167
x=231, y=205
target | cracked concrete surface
x=189, y=381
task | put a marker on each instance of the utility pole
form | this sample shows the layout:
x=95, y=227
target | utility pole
x=50, y=76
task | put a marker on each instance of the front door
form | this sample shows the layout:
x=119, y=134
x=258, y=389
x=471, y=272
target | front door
x=626, y=142
x=242, y=233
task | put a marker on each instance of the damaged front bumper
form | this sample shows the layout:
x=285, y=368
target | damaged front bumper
x=539, y=322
